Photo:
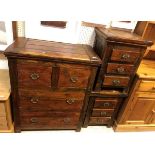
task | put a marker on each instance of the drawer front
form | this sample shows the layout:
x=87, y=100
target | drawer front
x=3, y=123
x=116, y=81
x=50, y=120
x=106, y=103
x=125, y=56
x=34, y=74
x=35, y=100
x=99, y=120
x=2, y=109
x=147, y=86
x=73, y=76
x=102, y=113
x=122, y=69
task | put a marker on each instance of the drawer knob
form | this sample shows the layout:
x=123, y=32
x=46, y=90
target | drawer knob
x=103, y=113
x=120, y=70
x=125, y=56
x=70, y=101
x=99, y=121
x=34, y=76
x=116, y=82
x=67, y=120
x=153, y=87
x=34, y=100
x=34, y=120
x=106, y=104
x=74, y=79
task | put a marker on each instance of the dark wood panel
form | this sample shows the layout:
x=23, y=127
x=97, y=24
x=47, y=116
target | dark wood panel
x=125, y=56
x=122, y=69
x=34, y=74
x=59, y=24
x=73, y=76
x=116, y=81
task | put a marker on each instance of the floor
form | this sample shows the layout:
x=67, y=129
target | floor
x=91, y=140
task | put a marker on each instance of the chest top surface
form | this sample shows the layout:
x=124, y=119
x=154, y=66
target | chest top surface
x=146, y=69
x=30, y=48
x=122, y=36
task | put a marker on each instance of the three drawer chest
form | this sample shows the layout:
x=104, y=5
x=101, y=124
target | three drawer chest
x=49, y=83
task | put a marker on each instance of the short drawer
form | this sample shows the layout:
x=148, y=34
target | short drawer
x=3, y=123
x=116, y=81
x=51, y=101
x=122, y=69
x=102, y=112
x=106, y=103
x=147, y=86
x=34, y=74
x=2, y=109
x=99, y=120
x=73, y=76
x=125, y=56
x=50, y=120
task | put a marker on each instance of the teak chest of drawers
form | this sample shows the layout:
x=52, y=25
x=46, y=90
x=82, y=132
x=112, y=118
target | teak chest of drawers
x=121, y=53
x=138, y=112
x=49, y=83
x=6, y=124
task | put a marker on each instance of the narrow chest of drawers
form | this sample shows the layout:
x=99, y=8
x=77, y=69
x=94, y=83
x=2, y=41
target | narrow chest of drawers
x=49, y=83
x=121, y=53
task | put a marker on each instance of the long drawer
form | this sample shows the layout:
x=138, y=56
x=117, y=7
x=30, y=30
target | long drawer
x=49, y=120
x=51, y=101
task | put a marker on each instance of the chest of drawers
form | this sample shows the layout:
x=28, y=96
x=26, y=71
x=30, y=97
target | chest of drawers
x=6, y=124
x=49, y=83
x=121, y=53
x=138, y=112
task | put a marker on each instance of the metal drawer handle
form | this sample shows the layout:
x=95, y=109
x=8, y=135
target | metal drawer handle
x=74, y=79
x=116, y=82
x=34, y=100
x=70, y=101
x=67, y=120
x=103, y=113
x=106, y=104
x=120, y=70
x=34, y=120
x=34, y=76
x=125, y=56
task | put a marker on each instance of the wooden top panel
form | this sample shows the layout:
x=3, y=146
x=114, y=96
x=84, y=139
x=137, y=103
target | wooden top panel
x=123, y=36
x=24, y=47
x=4, y=85
x=146, y=69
